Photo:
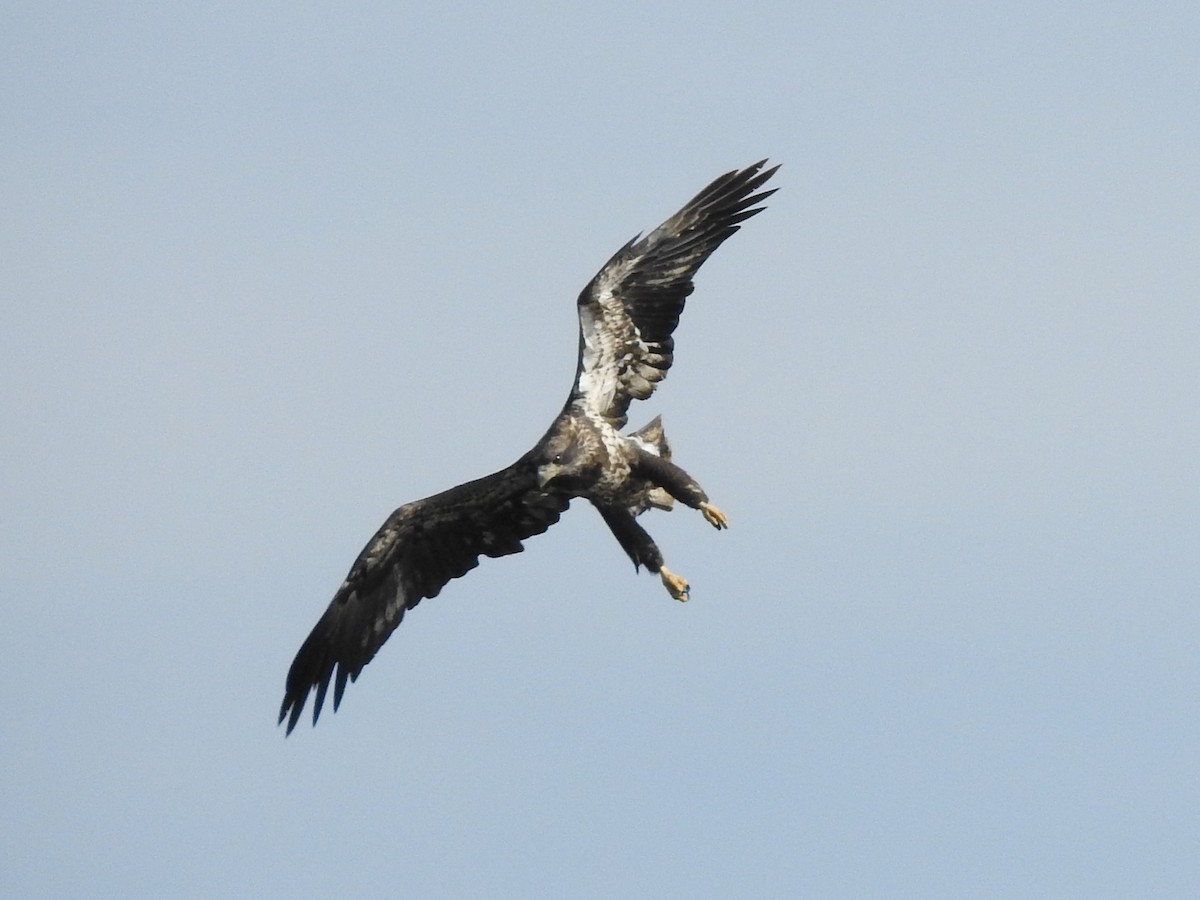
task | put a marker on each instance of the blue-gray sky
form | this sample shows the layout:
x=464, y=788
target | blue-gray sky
x=270, y=270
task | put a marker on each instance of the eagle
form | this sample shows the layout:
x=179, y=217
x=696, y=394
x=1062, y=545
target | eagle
x=627, y=315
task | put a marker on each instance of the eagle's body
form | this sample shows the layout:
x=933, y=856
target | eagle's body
x=627, y=314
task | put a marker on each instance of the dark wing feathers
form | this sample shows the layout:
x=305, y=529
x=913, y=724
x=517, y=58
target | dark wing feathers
x=627, y=315
x=419, y=548
x=628, y=312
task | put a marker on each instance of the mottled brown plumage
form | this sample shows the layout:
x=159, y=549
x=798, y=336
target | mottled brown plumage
x=627, y=314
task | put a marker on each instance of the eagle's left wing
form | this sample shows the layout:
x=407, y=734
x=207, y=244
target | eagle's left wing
x=420, y=547
x=628, y=312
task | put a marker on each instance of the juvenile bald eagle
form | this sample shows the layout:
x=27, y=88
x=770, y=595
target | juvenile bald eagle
x=627, y=314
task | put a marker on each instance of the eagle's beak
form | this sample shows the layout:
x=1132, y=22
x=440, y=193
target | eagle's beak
x=547, y=472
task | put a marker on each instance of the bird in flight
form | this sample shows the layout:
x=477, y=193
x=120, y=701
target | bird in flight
x=627, y=314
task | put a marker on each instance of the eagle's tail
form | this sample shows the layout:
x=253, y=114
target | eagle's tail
x=652, y=435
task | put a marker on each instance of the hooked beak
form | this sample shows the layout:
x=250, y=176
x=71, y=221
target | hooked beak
x=547, y=472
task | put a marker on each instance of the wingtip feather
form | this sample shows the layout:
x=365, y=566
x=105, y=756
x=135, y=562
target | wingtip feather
x=294, y=705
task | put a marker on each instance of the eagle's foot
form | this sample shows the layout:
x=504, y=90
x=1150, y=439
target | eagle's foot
x=714, y=516
x=676, y=585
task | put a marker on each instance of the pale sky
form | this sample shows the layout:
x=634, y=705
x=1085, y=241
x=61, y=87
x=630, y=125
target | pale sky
x=271, y=270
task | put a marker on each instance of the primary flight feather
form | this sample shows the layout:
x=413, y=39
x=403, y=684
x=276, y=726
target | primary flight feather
x=627, y=314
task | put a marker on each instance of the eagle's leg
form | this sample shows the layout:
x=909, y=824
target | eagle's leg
x=680, y=485
x=640, y=547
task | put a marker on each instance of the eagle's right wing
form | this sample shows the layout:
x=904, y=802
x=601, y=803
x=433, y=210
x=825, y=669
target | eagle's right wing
x=628, y=312
x=420, y=547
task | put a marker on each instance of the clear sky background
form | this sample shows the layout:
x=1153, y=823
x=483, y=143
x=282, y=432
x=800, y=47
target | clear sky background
x=270, y=270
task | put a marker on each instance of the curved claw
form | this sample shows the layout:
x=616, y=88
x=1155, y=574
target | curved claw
x=714, y=516
x=676, y=585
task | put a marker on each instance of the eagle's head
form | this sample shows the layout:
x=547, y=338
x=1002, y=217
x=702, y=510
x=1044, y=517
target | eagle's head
x=570, y=459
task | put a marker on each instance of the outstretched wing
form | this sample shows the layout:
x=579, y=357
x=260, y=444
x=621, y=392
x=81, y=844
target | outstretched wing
x=420, y=547
x=628, y=312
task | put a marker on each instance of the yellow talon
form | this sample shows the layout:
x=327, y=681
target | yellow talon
x=715, y=517
x=676, y=585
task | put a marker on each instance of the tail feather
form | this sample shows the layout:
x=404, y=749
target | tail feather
x=654, y=438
